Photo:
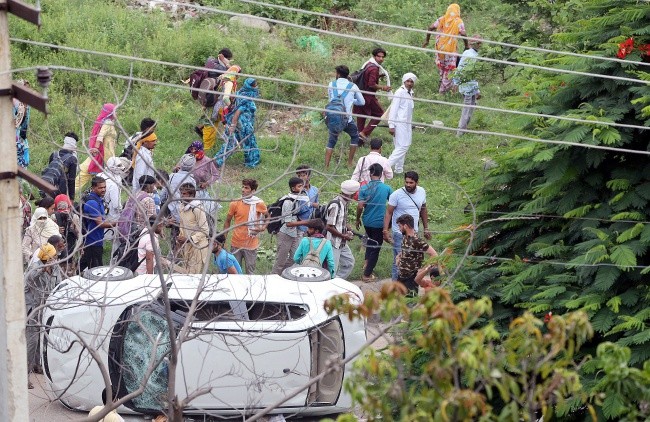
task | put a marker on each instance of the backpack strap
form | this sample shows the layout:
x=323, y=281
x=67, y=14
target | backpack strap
x=320, y=245
x=336, y=90
x=348, y=89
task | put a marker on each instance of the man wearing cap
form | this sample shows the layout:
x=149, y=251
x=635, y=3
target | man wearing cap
x=399, y=121
x=339, y=232
x=41, y=278
x=467, y=85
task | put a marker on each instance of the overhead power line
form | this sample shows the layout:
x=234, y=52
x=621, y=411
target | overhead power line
x=320, y=109
x=317, y=85
x=411, y=47
x=426, y=31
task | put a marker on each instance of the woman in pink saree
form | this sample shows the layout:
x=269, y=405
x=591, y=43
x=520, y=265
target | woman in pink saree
x=101, y=146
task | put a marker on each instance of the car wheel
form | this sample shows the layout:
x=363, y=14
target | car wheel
x=300, y=273
x=108, y=273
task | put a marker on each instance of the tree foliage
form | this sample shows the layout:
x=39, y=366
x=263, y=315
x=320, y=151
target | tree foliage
x=442, y=365
x=573, y=231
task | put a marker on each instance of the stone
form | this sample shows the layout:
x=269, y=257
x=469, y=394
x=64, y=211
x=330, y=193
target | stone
x=251, y=22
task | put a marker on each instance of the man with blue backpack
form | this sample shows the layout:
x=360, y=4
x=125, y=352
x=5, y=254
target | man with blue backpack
x=343, y=94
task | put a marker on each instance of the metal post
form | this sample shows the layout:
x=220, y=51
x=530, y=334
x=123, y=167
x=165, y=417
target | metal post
x=13, y=355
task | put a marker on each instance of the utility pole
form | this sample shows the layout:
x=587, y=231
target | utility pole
x=13, y=355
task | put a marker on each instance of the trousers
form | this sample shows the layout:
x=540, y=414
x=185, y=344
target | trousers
x=466, y=113
x=397, y=248
x=245, y=255
x=287, y=246
x=344, y=261
x=397, y=157
x=376, y=239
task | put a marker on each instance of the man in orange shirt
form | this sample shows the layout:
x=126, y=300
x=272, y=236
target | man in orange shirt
x=251, y=218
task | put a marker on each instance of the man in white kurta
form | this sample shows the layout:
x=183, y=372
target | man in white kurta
x=399, y=121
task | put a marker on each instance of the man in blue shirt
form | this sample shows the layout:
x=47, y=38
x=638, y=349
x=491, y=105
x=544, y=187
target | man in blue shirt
x=372, y=204
x=307, y=208
x=94, y=221
x=350, y=98
x=225, y=262
x=315, y=237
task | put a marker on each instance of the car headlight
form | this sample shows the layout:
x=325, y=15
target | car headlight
x=327, y=345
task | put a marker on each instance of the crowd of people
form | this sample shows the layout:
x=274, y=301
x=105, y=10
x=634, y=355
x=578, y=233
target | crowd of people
x=67, y=233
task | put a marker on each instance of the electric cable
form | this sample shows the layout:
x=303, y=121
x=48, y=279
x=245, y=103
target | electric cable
x=317, y=85
x=421, y=49
x=426, y=31
x=320, y=109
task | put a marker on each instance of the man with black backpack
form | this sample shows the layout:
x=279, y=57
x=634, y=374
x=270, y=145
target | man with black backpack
x=343, y=94
x=288, y=238
x=368, y=78
x=212, y=67
x=62, y=168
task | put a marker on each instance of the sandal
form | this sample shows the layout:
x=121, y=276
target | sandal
x=369, y=279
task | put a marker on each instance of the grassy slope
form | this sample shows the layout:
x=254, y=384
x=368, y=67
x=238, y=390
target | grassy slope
x=442, y=160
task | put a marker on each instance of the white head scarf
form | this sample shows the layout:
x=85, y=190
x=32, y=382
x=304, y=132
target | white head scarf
x=410, y=76
x=70, y=143
x=43, y=228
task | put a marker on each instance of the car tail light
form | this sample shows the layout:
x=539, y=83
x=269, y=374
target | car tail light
x=327, y=344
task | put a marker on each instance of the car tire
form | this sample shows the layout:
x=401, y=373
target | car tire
x=301, y=273
x=108, y=273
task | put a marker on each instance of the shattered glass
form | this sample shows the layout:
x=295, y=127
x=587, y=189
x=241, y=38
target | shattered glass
x=139, y=339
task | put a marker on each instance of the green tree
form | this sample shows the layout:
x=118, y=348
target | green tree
x=566, y=226
x=443, y=365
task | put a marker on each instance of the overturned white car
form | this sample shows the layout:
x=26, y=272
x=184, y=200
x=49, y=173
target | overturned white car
x=252, y=340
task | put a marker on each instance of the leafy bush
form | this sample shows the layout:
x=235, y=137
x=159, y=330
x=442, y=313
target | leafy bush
x=441, y=365
x=573, y=234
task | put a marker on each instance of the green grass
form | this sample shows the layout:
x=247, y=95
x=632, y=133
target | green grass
x=445, y=163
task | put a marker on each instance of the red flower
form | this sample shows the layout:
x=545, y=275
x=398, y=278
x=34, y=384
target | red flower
x=548, y=317
x=645, y=52
x=625, y=48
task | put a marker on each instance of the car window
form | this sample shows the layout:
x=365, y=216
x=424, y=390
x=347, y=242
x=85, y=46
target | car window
x=240, y=310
